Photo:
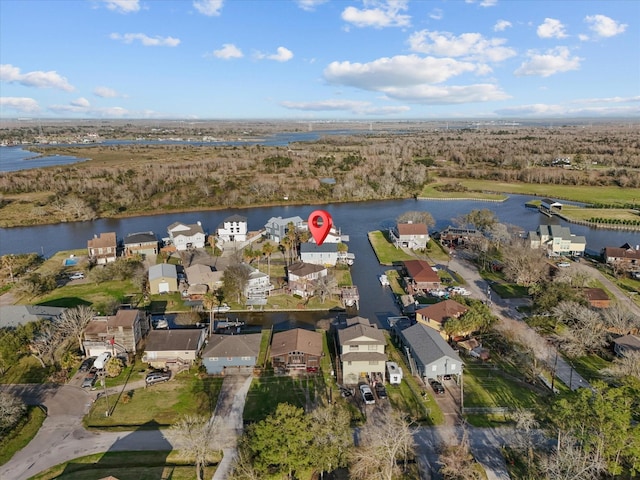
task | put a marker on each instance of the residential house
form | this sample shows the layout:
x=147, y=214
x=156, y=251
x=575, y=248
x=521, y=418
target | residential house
x=276, y=228
x=325, y=254
x=557, y=240
x=430, y=356
x=454, y=237
x=103, y=249
x=173, y=347
x=233, y=229
x=163, y=278
x=625, y=257
x=296, y=351
x=120, y=333
x=361, y=347
x=229, y=354
x=436, y=315
x=199, y=274
x=184, y=236
x=410, y=235
x=419, y=275
x=302, y=278
x=258, y=284
x=334, y=235
x=625, y=344
x=12, y=316
x=597, y=297
x=142, y=243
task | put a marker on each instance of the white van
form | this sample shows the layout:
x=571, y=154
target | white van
x=394, y=373
x=102, y=360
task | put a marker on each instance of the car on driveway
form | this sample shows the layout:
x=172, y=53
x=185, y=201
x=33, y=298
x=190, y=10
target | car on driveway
x=89, y=381
x=77, y=276
x=367, y=395
x=157, y=377
x=564, y=264
x=86, y=364
x=381, y=391
x=437, y=387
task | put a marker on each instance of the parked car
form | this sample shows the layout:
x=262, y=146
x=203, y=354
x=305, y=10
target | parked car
x=157, y=377
x=77, y=276
x=437, y=387
x=86, y=364
x=381, y=391
x=564, y=264
x=90, y=380
x=367, y=395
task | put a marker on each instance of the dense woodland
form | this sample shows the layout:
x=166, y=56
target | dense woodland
x=395, y=163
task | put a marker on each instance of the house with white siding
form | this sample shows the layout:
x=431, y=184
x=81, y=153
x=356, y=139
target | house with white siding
x=184, y=236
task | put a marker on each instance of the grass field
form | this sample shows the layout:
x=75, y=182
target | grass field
x=27, y=370
x=386, y=252
x=429, y=191
x=146, y=465
x=22, y=434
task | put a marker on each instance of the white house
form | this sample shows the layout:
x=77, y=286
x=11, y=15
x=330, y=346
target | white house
x=557, y=240
x=325, y=254
x=233, y=229
x=302, y=277
x=258, y=285
x=276, y=228
x=184, y=236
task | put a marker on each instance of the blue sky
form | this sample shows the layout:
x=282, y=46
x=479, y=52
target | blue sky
x=319, y=59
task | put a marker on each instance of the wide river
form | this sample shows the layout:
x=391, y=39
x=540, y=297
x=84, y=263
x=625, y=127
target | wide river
x=354, y=219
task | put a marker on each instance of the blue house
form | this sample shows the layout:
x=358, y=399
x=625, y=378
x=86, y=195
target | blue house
x=229, y=354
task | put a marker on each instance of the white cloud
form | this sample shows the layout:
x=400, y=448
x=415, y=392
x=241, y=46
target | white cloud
x=384, y=14
x=447, y=94
x=282, y=55
x=467, y=45
x=84, y=109
x=502, y=25
x=544, y=110
x=228, y=51
x=146, y=40
x=310, y=5
x=123, y=6
x=81, y=102
x=554, y=61
x=352, y=106
x=484, y=3
x=436, y=14
x=19, y=104
x=604, y=26
x=105, y=92
x=551, y=28
x=610, y=100
x=39, y=79
x=210, y=8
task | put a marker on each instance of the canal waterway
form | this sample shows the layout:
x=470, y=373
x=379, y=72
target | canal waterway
x=354, y=219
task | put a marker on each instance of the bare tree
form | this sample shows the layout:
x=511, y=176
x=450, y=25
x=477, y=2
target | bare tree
x=11, y=410
x=522, y=264
x=45, y=342
x=324, y=286
x=415, y=216
x=382, y=444
x=74, y=320
x=620, y=319
x=194, y=435
x=571, y=462
x=457, y=462
x=626, y=365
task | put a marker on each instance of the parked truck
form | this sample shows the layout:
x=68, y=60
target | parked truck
x=394, y=373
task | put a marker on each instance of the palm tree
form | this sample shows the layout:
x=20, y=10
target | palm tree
x=267, y=249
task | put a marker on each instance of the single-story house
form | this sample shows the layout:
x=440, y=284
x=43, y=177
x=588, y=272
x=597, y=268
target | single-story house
x=625, y=256
x=431, y=354
x=325, y=254
x=228, y=354
x=597, y=297
x=419, y=275
x=435, y=315
x=163, y=278
x=626, y=343
x=142, y=243
x=361, y=347
x=295, y=351
x=276, y=228
x=302, y=277
x=12, y=316
x=203, y=275
x=103, y=249
x=410, y=235
x=121, y=332
x=173, y=347
x=184, y=236
x=233, y=229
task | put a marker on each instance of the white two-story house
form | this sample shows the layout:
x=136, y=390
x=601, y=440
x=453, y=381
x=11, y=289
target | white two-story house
x=233, y=229
x=184, y=236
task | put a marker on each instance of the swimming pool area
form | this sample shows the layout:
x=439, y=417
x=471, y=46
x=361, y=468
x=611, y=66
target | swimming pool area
x=69, y=262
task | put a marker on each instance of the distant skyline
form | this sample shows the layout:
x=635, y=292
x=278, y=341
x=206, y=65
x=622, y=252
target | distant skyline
x=319, y=59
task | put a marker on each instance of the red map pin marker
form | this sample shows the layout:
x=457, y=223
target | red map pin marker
x=320, y=230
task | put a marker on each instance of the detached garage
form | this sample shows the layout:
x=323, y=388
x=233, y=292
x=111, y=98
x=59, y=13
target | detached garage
x=163, y=278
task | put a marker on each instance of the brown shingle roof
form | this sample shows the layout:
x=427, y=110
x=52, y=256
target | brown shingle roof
x=441, y=311
x=174, y=339
x=123, y=318
x=421, y=271
x=107, y=239
x=412, y=229
x=302, y=269
x=621, y=252
x=296, y=340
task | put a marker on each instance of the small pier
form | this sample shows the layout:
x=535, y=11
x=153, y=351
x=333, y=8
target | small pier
x=350, y=296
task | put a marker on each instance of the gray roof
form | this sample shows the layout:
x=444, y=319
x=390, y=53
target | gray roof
x=141, y=237
x=163, y=270
x=235, y=218
x=13, y=315
x=174, y=339
x=233, y=345
x=284, y=221
x=427, y=344
x=309, y=247
x=349, y=334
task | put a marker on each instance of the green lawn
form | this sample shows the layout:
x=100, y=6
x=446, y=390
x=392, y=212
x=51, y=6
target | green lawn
x=97, y=295
x=589, y=366
x=502, y=287
x=22, y=434
x=27, y=370
x=429, y=191
x=157, y=406
x=386, y=252
x=145, y=465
